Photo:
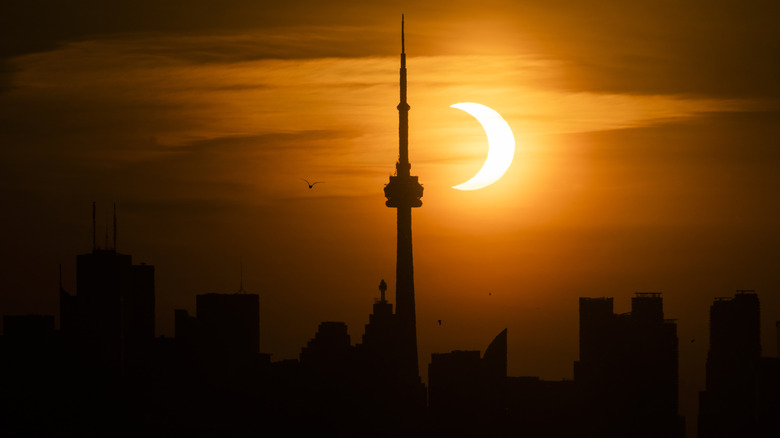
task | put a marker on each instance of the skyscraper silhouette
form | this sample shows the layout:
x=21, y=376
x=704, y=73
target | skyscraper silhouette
x=403, y=193
x=113, y=309
x=727, y=408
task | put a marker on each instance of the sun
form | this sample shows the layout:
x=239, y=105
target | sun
x=501, y=146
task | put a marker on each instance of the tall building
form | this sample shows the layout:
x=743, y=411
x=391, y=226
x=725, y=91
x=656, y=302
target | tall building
x=113, y=308
x=727, y=407
x=403, y=193
x=627, y=375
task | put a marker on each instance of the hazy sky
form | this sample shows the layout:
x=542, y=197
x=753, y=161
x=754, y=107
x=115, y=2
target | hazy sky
x=648, y=149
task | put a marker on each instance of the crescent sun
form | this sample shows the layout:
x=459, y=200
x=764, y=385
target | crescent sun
x=501, y=146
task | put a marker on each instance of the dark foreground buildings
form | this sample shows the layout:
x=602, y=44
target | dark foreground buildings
x=212, y=380
x=56, y=379
x=625, y=383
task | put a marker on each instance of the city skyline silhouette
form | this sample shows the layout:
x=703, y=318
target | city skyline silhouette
x=105, y=358
x=643, y=166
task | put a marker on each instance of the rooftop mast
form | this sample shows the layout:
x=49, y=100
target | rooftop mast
x=115, y=226
x=94, y=228
x=241, y=276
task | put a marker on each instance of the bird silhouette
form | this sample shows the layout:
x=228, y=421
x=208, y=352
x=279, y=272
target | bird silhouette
x=312, y=183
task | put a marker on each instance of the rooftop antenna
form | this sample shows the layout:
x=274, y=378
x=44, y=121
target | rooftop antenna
x=94, y=228
x=106, y=242
x=60, y=276
x=114, y=226
x=241, y=276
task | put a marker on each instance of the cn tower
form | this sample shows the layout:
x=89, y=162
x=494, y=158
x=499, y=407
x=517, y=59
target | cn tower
x=403, y=193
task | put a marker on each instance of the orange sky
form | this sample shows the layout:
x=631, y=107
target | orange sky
x=647, y=155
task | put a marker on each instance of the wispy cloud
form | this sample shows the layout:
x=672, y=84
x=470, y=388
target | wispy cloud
x=217, y=107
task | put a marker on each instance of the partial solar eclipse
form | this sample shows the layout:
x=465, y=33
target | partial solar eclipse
x=501, y=146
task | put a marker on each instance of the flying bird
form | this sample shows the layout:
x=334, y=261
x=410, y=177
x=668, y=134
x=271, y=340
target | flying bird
x=311, y=184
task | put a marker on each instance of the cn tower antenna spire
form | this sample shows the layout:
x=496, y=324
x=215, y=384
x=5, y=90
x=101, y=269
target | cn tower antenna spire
x=403, y=166
x=403, y=49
